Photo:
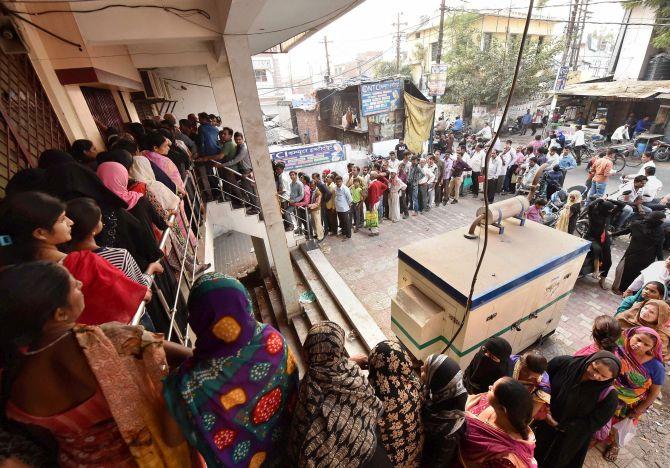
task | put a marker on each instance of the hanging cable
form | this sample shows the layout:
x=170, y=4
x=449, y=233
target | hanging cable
x=44, y=30
x=468, y=304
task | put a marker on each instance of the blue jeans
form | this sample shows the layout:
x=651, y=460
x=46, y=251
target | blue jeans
x=414, y=202
x=597, y=189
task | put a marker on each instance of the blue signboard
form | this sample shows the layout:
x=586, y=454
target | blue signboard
x=310, y=155
x=380, y=98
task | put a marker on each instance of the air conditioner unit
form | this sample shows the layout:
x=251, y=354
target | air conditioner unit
x=10, y=40
x=154, y=85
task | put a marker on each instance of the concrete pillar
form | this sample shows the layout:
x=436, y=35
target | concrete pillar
x=222, y=86
x=246, y=97
x=264, y=266
x=88, y=126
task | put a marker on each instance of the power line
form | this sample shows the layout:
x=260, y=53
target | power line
x=397, y=24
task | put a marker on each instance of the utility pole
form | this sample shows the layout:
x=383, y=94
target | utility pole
x=397, y=24
x=327, y=77
x=440, y=37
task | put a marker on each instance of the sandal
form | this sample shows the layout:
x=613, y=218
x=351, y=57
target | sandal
x=611, y=453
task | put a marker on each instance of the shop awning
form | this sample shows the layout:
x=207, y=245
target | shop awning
x=624, y=90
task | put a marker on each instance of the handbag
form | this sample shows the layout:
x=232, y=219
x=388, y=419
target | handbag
x=480, y=179
x=371, y=219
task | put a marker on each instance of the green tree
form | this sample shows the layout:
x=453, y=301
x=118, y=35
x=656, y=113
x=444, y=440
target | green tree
x=385, y=68
x=661, y=38
x=480, y=70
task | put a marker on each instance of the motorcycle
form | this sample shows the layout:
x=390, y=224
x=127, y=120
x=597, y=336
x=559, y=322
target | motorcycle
x=553, y=208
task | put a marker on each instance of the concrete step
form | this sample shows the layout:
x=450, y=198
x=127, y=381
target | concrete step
x=264, y=307
x=364, y=325
x=325, y=307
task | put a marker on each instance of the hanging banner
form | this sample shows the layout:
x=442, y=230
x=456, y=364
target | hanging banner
x=437, y=82
x=381, y=98
x=561, y=78
x=297, y=157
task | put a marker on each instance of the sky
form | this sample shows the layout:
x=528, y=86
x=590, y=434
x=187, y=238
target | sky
x=369, y=27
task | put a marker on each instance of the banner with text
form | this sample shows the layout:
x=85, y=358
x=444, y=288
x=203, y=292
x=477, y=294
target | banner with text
x=310, y=155
x=437, y=82
x=381, y=98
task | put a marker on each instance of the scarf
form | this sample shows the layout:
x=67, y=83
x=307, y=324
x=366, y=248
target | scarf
x=141, y=171
x=336, y=414
x=564, y=216
x=168, y=167
x=631, y=318
x=400, y=392
x=483, y=371
x=628, y=302
x=446, y=396
x=230, y=399
x=110, y=295
x=634, y=381
x=540, y=389
x=484, y=442
x=115, y=178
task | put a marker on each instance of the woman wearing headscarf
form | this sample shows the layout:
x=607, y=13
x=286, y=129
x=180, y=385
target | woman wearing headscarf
x=67, y=180
x=646, y=246
x=443, y=410
x=567, y=218
x=652, y=313
x=640, y=380
x=26, y=180
x=498, y=435
x=489, y=364
x=231, y=398
x=651, y=290
x=335, y=418
x=582, y=401
x=606, y=332
x=599, y=259
x=401, y=394
x=396, y=185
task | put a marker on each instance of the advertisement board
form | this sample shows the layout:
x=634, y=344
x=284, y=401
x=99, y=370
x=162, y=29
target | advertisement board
x=310, y=155
x=437, y=82
x=380, y=98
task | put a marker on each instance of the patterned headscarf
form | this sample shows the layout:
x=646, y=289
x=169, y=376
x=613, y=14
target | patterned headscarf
x=230, y=399
x=335, y=418
x=401, y=393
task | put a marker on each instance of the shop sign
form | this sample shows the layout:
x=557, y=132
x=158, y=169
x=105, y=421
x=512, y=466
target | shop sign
x=380, y=98
x=297, y=157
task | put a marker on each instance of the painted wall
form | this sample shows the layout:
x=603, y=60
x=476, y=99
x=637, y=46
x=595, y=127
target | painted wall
x=192, y=99
x=635, y=50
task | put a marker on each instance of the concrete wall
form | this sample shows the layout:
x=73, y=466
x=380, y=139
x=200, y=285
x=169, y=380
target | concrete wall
x=192, y=99
x=635, y=49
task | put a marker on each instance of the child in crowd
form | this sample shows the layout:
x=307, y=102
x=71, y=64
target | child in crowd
x=357, y=203
x=534, y=213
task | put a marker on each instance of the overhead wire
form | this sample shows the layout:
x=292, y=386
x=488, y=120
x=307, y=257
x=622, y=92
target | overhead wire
x=468, y=304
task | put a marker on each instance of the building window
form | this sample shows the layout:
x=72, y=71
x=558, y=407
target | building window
x=261, y=75
x=433, y=52
x=486, y=41
x=417, y=35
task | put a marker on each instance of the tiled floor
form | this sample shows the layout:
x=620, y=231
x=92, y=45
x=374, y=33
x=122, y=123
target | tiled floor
x=234, y=253
x=369, y=265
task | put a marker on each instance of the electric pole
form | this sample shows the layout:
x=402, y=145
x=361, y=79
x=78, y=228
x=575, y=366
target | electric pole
x=440, y=37
x=397, y=24
x=327, y=77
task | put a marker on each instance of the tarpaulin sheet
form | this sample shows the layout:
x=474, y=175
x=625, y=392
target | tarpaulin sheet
x=418, y=121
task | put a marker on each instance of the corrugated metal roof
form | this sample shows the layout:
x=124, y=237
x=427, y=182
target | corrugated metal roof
x=625, y=89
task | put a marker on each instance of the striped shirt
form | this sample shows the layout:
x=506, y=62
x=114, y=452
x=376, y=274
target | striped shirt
x=121, y=259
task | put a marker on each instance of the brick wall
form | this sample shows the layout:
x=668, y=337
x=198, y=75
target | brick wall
x=307, y=121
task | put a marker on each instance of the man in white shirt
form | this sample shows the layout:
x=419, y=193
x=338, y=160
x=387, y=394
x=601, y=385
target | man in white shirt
x=620, y=134
x=485, y=133
x=529, y=174
x=634, y=195
x=553, y=157
x=647, y=161
x=394, y=162
x=492, y=174
x=423, y=185
x=498, y=146
x=507, y=157
x=578, y=143
x=431, y=169
x=476, y=161
x=653, y=186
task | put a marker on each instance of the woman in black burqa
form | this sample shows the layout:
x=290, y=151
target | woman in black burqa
x=489, y=364
x=582, y=401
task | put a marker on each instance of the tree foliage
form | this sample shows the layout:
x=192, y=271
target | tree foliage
x=385, y=68
x=482, y=74
x=661, y=38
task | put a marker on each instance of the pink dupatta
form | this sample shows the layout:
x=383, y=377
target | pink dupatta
x=167, y=166
x=483, y=443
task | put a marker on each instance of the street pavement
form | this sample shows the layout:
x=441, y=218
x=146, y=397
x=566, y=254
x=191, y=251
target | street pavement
x=369, y=265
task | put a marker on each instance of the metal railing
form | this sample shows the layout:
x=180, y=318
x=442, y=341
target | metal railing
x=191, y=200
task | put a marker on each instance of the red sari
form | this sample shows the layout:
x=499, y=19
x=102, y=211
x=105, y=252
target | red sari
x=109, y=295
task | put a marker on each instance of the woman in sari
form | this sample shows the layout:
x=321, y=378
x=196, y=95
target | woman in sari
x=606, y=332
x=443, y=410
x=231, y=398
x=567, y=218
x=37, y=225
x=645, y=247
x=335, y=418
x=654, y=314
x=640, y=380
x=396, y=185
x=499, y=434
x=489, y=364
x=96, y=390
x=400, y=392
x=582, y=402
x=651, y=290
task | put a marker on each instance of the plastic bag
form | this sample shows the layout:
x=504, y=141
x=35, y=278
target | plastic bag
x=467, y=182
x=625, y=431
x=371, y=219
